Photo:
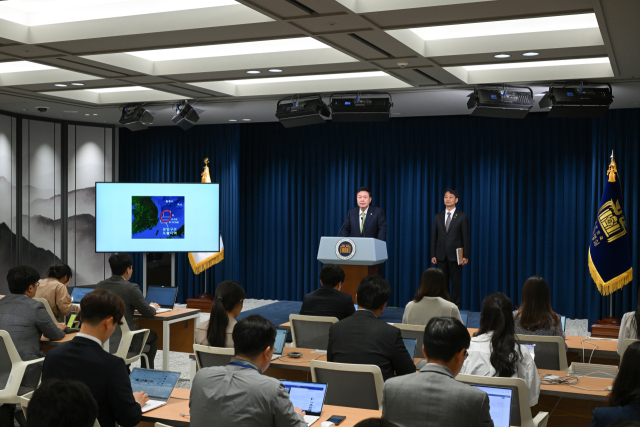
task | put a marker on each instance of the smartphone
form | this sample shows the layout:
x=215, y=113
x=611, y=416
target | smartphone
x=294, y=354
x=336, y=419
x=72, y=318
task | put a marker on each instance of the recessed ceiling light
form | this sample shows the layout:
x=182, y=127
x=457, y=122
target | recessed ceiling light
x=118, y=89
x=513, y=26
x=311, y=77
x=584, y=61
x=20, y=66
x=94, y=114
x=246, y=120
x=502, y=55
x=253, y=72
x=60, y=85
x=77, y=84
x=87, y=114
x=531, y=54
x=275, y=70
x=232, y=120
x=230, y=49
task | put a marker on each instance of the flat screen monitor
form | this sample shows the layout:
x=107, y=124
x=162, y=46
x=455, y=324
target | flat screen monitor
x=136, y=217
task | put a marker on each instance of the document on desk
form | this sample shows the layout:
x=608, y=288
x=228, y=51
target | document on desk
x=162, y=310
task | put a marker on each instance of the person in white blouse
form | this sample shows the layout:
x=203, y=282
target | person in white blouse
x=431, y=300
x=629, y=327
x=494, y=351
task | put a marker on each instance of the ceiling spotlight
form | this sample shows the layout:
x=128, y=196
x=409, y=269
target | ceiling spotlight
x=77, y=84
x=232, y=120
x=253, y=72
x=531, y=54
x=87, y=114
x=60, y=85
x=275, y=70
x=506, y=101
x=357, y=107
x=502, y=56
x=135, y=117
x=95, y=114
x=186, y=116
x=578, y=100
x=293, y=112
x=246, y=120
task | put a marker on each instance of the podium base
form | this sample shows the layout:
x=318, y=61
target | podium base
x=354, y=275
x=609, y=327
x=200, y=303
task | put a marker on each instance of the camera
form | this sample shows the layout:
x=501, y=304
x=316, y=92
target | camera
x=42, y=109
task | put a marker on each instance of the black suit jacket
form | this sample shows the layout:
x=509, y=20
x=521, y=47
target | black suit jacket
x=364, y=339
x=602, y=417
x=375, y=224
x=105, y=374
x=327, y=302
x=443, y=244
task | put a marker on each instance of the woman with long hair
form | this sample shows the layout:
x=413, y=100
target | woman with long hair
x=494, y=351
x=624, y=399
x=54, y=290
x=630, y=326
x=431, y=300
x=535, y=315
x=225, y=308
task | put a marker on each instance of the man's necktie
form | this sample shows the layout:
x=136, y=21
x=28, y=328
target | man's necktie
x=361, y=222
x=446, y=224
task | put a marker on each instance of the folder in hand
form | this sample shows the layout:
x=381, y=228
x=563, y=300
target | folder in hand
x=459, y=255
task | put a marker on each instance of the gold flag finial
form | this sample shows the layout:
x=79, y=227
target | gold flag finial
x=206, y=178
x=613, y=169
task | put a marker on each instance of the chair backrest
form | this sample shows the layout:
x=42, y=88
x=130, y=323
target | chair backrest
x=48, y=308
x=5, y=359
x=116, y=337
x=626, y=343
x=24, y=402
x=355, y=386
x=550, y=352
x=311, y=331
x=520, y=409
x=415, y=332
x=207, y=357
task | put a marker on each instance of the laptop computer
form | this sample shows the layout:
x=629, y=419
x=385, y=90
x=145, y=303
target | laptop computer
x=78, y=293
x=157, y=384
x=464, y=315
x=410, y=344
x=307, y=396
x=499, y=404
x=563, y=320
x=281, y=335
x=164, y=296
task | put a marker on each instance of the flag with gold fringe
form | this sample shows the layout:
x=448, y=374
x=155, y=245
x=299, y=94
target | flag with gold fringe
x=200, y=261
x=609, y=251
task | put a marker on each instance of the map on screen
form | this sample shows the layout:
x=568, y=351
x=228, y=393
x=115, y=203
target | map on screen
x=157, y=217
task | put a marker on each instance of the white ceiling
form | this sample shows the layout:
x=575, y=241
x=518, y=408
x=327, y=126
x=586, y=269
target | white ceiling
x=428, y=54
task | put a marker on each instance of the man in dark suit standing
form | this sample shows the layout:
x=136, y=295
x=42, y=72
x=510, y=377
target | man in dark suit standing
x=450, y=232
x=365, y=220
x=328, y=300
x=83, y=359
x=364, y=339
x=122, y=268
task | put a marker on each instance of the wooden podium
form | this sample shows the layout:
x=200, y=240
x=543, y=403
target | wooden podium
x=359, y=257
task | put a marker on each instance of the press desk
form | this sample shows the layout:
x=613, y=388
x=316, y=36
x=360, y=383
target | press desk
x=46, y=344
x=170, y=413
x=167, y=325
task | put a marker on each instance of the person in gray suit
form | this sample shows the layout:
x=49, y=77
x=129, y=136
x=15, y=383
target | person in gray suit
x=122, y=268
x=26, y=320
x=432, y=397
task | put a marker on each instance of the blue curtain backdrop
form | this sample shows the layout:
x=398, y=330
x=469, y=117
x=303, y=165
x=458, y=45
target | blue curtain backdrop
x=530, y=187
x=168, y=154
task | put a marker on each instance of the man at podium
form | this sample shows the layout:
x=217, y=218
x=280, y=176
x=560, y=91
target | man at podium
x=365, y=220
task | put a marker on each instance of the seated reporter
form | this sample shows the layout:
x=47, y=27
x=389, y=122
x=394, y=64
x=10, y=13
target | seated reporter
x=328, y=300
x=431, y=300
x=364, y=339
x=239, y=394
x=494, y=351
x=62, y=403
x=225, y=309
x=83, y=359
x=624, y=399
x=432, y=397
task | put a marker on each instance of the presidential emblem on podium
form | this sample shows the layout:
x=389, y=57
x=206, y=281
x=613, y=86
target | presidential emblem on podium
x=345, y=249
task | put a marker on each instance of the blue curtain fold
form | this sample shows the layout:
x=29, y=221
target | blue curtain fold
x=169, y=154
x=531, y=189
